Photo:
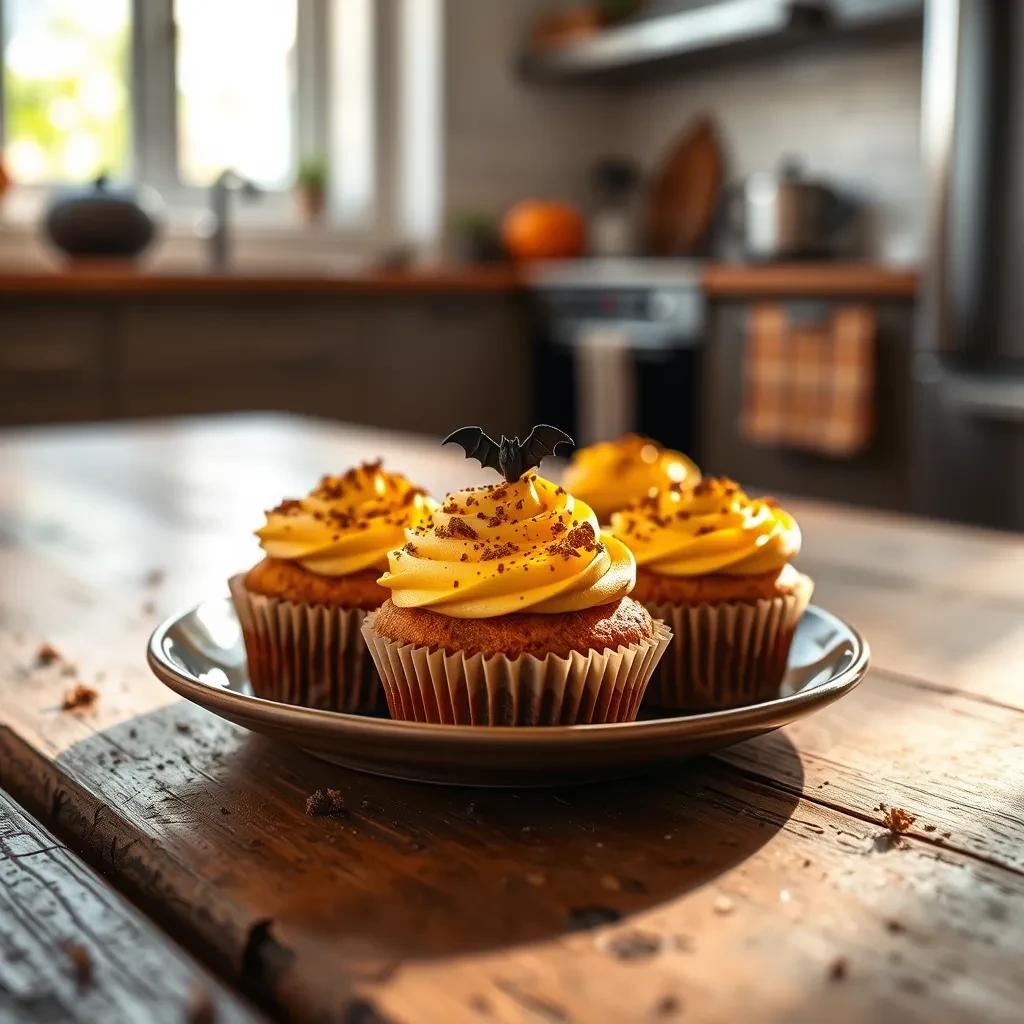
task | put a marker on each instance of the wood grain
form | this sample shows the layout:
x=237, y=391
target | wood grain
x=808, y=280
x=761, y=884
x=72, y=949
x=720, y=280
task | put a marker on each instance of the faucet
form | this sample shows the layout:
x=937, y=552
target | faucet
x=219, y=238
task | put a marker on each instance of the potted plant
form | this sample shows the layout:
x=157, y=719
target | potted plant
x=311, y=188
x=476, y=238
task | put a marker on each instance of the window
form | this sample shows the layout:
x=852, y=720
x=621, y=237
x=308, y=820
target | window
x=237, y=112
x=66, y=73
x=171, y=93
x=167, y=92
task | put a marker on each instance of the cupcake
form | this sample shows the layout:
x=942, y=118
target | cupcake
x=715, y=565
x=613, y=474
x=302, y=606
x=510, y=607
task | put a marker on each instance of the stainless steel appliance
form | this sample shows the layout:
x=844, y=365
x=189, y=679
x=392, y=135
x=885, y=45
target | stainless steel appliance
x=619, y=348
x=969, y=368
x=785, y=215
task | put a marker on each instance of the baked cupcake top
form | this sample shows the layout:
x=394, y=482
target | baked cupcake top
x=348, y=523
x=710, y=528
x=614, y=474
x=526, y=546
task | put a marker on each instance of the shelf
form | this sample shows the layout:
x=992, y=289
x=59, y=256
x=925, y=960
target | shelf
x=722, y=30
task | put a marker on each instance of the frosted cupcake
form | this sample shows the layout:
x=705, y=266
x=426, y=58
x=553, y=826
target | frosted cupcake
x=613, y=474
x=302, y=606
x=511, y=608
x=715, y=565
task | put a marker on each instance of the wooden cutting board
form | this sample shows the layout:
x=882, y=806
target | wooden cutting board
x=685, y=191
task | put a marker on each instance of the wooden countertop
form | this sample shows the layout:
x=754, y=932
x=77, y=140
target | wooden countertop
x=126, y=281
x=757, y=885
x=720, y=280
x=809, y=280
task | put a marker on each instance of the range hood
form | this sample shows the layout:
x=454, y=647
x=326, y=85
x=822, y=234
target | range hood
x=693, y=29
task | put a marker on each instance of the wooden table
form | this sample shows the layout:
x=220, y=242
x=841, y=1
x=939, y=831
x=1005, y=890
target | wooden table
x=759, y=885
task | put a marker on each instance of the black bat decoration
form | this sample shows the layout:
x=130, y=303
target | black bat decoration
x=509, y=456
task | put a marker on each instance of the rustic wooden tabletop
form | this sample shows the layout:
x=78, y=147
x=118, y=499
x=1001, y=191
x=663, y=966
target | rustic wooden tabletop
x=186, y=882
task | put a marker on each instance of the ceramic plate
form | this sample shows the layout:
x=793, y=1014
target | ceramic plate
x=200, y=655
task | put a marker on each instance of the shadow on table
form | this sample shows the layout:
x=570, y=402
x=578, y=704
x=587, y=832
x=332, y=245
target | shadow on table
x=407, y=870
x=427, y=871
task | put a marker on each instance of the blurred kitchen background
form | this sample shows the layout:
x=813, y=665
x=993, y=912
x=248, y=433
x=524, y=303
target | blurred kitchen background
x=783, y=235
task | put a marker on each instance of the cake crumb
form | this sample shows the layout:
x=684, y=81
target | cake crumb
x=896, y=819
x=724, y=905
x=838, y=969
x=47, y=654
x=200, y=1009
x=79, y=697
x=81, y=961
x=325, y=802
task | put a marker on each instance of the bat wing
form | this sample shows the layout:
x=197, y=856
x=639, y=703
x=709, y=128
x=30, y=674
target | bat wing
x=477, y=445
x=542, y=440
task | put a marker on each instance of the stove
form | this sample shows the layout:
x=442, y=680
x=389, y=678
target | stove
x=619, y=347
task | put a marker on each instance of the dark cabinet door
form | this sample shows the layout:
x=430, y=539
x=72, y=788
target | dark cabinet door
x=52, y=366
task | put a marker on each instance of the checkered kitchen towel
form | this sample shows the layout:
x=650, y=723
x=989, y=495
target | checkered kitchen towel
x=810, y=385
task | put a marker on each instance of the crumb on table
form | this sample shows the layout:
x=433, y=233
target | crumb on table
x=47, y=654
x=81, y=961
x=79, y=697
x=838, y=968
x=324, y=802
x=896, y=819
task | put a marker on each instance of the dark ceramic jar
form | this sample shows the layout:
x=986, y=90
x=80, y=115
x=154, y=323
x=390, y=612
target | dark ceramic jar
x=102, y=222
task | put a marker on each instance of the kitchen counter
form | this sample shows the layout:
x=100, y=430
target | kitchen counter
x=719, y=280
x=760, y=884
x=127, y=281
x=809, y=280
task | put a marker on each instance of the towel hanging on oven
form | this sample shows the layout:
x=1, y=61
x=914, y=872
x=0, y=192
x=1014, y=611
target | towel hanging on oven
x=810, y=384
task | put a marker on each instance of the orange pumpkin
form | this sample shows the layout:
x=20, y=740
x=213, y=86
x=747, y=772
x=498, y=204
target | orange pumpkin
x=537, y=230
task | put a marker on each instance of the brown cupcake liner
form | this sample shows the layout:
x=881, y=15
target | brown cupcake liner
x=432, y=685
x=312, y=655
x=726, y=655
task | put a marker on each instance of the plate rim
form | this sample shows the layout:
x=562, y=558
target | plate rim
x=321, y=719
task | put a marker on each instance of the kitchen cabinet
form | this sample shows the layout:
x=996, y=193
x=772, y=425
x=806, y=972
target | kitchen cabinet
x=417, y=360
x=53, y=364
x=880, y=476
x=211, y=356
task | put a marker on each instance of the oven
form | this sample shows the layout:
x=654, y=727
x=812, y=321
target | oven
x=619, y=349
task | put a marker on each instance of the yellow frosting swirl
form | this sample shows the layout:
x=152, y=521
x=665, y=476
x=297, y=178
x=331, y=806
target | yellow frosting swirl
x=711, y=528
x=348, y=523
x=614, y=474
x=525, y=546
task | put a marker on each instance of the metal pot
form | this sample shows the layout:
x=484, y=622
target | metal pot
x=786, y=216
x=101, y=221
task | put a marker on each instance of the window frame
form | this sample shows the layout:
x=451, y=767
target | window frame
x=153, y=149
x=357, y=92
x=154, y=107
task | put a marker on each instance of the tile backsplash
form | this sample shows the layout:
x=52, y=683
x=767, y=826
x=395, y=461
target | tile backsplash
x=850, y=115
x=850, y=112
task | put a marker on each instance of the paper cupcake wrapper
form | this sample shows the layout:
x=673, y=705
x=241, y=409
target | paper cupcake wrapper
x=432, y=685
x=726, y=655
x=310, y=655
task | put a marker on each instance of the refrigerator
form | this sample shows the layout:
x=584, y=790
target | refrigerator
x=968, y=400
